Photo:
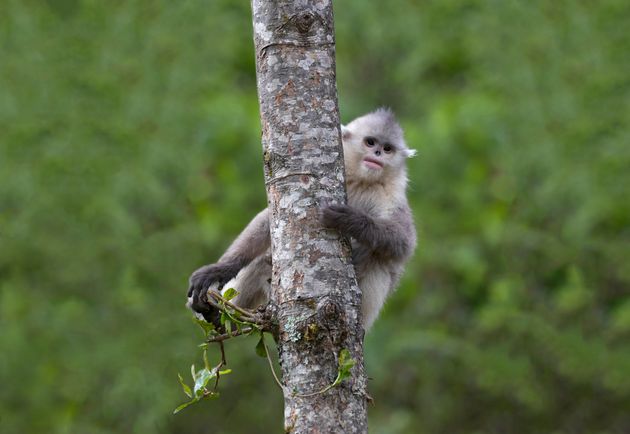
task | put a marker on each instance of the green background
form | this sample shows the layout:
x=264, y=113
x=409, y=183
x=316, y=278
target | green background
x=130, y=155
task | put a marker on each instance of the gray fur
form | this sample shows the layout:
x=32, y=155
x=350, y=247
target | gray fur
x=377, y=219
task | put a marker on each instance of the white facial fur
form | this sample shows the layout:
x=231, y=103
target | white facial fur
x=374, y=140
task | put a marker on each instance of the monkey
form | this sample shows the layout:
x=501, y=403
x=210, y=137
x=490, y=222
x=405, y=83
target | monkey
x=377, y=219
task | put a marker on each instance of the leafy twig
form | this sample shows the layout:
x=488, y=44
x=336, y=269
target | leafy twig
x=222, y=303
x=344, y=366
x=201, y=379
x=245, y=322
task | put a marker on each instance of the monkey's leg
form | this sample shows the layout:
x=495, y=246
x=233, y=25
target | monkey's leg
x=252, y=283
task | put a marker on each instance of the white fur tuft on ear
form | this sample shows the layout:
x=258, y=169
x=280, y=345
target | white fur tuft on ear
x=410, y=153
x=345, y=132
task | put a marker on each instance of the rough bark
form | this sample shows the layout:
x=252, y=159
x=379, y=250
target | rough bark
x=313, y=282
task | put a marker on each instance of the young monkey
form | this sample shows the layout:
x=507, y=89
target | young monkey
x=377, y=220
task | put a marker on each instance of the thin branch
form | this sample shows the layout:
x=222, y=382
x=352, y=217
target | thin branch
x=247, y=315
x=223, y=361
x=273, y=371
x=219, y=366
x=319, y=392
x=225, y=336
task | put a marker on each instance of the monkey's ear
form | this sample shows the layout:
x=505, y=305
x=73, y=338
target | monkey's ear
x=410, y=153
x=345, y=133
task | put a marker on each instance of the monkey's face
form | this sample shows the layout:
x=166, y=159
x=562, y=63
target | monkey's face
x=374, y=151
x=378, y=155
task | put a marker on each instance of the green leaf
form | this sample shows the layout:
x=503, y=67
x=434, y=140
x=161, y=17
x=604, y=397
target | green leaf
x=185, y=386
x=184, y=405
x=203, y=376
x=228, y=326
x=260, y=347
x=207, y=327
x=230, y=293
x=346, y=363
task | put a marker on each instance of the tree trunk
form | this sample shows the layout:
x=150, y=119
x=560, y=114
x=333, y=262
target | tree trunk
x=314, y=287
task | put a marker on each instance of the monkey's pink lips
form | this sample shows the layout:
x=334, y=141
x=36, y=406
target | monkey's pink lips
x=372, y=163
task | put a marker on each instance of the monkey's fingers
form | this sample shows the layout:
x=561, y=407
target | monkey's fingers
x=202, y=279
x=332, y=216
x=199, y=303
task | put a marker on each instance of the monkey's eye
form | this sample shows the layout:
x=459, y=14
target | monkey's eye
x=369, y=141
x=388, y=149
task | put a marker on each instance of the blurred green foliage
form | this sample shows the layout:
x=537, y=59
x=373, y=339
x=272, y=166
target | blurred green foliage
x=130, y=155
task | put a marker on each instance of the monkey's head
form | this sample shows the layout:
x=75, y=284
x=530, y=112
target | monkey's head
x=374, y=148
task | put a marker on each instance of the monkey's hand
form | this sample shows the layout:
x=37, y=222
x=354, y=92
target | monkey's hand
x=201, y=281
x=344, y=218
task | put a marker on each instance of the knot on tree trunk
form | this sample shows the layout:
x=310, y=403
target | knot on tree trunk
x=304, y=21
x=333, y=318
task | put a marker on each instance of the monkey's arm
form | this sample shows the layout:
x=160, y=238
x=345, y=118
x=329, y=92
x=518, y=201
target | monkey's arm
x=393, y=237
x=251, y=243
